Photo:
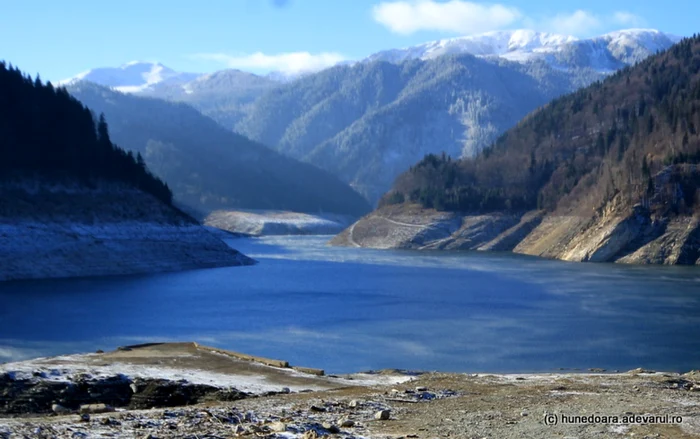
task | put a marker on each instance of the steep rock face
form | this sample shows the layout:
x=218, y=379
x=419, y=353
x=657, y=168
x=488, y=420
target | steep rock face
x=678, y=244
x=76, y=232
x=635, y=238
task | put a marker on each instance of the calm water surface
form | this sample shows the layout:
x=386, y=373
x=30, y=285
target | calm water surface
x=356, y=309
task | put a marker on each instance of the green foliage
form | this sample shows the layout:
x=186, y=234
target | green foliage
x=46, y=132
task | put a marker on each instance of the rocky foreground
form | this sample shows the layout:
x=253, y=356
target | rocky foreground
x=64, y=231
x=634, y=238
x=248, y=397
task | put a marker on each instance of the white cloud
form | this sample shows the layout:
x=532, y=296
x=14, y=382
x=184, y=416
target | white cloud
x=466, y=17
x=579, y=23
x=585, y=23
x=628, y=19
x=458, y=16
x=291, y=63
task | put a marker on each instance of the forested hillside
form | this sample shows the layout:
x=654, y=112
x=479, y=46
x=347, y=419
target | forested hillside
x=632, y=138
x=45, y=132
x=369, y=122
x=225, y=96
x=210, y=167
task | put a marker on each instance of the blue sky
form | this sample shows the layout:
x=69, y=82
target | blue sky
x=60, y=39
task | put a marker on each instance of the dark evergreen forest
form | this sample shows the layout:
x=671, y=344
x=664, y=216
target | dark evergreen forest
x=45, y=132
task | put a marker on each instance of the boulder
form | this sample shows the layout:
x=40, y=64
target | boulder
x=95, y=409
x=382, y=415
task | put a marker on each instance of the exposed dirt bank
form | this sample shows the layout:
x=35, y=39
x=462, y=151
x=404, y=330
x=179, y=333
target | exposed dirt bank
x=635, y=238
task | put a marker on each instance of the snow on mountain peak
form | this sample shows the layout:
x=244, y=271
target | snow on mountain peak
x=510, y=44
x=132, y=77
x=522, y=45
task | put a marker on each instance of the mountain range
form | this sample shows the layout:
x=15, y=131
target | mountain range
x=368, y=121
x=74, y=204
x=605, y=53
x=208, y=167
x=608, y=173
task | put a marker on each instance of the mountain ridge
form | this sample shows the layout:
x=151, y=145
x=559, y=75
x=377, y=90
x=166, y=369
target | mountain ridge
x=211, y=168
x=524, y=45
x=367, y=122
x=518, y=45
x=609, y=173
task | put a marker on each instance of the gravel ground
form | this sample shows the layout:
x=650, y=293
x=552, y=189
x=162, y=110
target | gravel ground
x=432, y=405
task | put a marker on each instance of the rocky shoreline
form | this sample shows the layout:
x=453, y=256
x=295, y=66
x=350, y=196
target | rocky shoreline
x=72, y=231
x=291, y=404
x=633, y=238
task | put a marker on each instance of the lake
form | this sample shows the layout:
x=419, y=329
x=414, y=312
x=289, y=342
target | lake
x=349, y=310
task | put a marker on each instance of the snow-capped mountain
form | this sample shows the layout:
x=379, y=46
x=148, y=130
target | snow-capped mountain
x=133, y=77
x=605, y=53
x=367, y=122
x=518, y=44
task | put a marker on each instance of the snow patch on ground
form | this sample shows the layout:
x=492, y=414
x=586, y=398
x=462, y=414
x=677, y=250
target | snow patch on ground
x=65, y=368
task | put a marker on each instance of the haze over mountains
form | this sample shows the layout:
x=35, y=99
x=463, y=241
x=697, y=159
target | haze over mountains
x=209, y=167
x=368, y=121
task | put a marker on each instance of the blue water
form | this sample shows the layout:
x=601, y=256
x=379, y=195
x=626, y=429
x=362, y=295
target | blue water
x=356, y=309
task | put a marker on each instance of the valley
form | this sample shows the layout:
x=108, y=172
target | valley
x=368, y=121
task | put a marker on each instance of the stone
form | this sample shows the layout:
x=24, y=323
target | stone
x=310, y=434
x=347, y=423
x=278, y=427
x=382, y=415
x=286, y=390
x=315, y=408
x=333, y=429
x=84, y=417
x=524, y=413
x=354, y=404
x=421, y=389
x=60, y=410
x=110, y=422
x=95, y=408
